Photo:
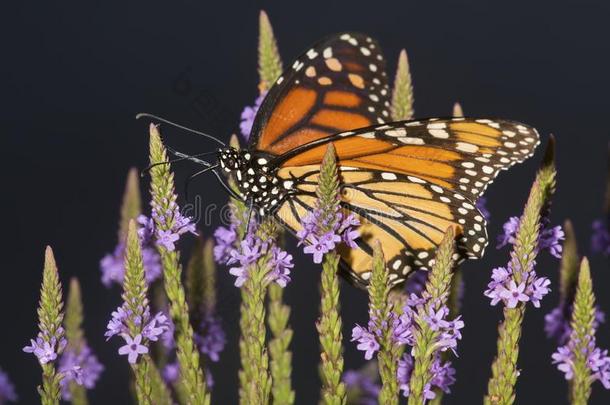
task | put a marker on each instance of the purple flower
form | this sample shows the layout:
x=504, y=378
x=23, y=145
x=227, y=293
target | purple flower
x=538, y=289
x=481, y=205
x=416, y=283
x=171, y=372
x=167, y=239
x=281, y=263
x=211, y=339
x=513, y=294
x=363, y=385
x=112, y=265
x=403, y=373
x=248, y=115
x=82, y=367
x=319, y=240
x=366, y=341
x=251, y=249
x=563, y=358
x=180, y=225
x=225, y=241
x=7, y=390
x=600, y=240
x=156, y=327
x=510, y=228
x=550, y=239
x=117, y=325
x=45, y=349
x=436, y=319
x=557, y=322
x=319, y=247
x=133, y=348
x=443, y=376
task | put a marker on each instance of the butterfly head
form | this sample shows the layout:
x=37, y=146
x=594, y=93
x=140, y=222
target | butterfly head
x=256, y=181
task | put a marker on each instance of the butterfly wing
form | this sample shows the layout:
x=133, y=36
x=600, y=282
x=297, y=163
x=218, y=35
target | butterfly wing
x=408, y=182
x=338, y=84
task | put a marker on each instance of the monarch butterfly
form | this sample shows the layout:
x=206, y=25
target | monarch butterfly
x=406, y=181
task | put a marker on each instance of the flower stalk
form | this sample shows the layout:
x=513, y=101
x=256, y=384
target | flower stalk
x=583, y=335
x=501, y=386
x=281, y=357
x=75, y=336
x=329, y=323
x=437, y=288
x=163, y=196
x=381, y=309
x=402, y=94
x=50, y=341
x=269, y=61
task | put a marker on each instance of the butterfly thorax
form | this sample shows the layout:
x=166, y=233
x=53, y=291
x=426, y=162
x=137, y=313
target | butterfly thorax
x=255, y=179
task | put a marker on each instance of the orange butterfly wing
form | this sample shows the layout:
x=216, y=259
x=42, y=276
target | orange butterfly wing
x=337, y=85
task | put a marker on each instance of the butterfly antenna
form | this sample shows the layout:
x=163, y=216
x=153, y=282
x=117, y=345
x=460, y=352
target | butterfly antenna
x=192, y=158
x=192, y=176
x=147, y=115
x=149, y=167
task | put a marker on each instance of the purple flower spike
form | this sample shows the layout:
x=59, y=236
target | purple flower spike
x=133, y=348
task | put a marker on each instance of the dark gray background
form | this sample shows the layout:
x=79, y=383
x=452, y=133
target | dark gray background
x=74, y=74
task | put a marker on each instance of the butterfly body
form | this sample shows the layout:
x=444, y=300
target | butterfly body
x=256, y=180
x=406, y=181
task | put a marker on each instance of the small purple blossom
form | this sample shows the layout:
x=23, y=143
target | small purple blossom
x=503, y=287
x=318, y=240
x=225, y=241
x=156, y=327
x=416, y=283
x=598, y=362
x=281, y=263
x=46, y=349
x=513, y=294
x=366, y=390
x=133, y=348
x=152, y=328
x=443, y=376
x=557, y=322
x=250, y=251
x=7, y=390
x=112, y=265
x=180, y=225
x=211, y=338
x=550, y=238
x=253, y=248
x=366, y=341
x=248, y=115
x=510, y=228
x=600, y=240
x=82, y=367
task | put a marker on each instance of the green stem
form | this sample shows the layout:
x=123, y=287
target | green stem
x=281, y=357
x=329, y=330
